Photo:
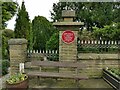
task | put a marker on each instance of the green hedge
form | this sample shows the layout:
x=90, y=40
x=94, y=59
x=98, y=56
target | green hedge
x=5, y=65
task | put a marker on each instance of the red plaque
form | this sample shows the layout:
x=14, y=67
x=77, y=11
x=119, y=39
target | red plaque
x=68, y=36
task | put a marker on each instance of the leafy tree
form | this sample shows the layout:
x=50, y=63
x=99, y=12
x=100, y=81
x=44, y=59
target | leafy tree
x=6, y=35
x=23, y=25
x=42, y=31
x=109, y=32
x=53, y=43
x=9, y=9
x=30, y=38
x=92, y=14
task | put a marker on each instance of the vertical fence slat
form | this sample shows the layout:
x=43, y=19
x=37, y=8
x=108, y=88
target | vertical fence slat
x=115, y=42
x=81, y=41
x=92, y=42
x=98, y=42
x=46, y=51
x=53, y=51
x=95, y=42
x=33, y=51
x=102, y=42
x=37, y=51
x=105, y=42
x=56, y=51
x=40, y=51
x=30, y=51
x=43, y=51
x=112, y=42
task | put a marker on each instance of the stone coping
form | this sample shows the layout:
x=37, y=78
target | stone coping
x=17, y=41
x=68, y=13
x=68, y=23
x=94, y=56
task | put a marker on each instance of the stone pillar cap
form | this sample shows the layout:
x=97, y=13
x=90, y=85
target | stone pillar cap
x=68, y=13
x=17, y=41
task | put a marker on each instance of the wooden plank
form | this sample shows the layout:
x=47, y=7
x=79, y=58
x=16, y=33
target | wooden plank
x=56, y=75
x=58, y=64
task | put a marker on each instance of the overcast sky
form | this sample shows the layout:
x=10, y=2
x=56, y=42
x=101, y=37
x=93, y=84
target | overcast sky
x=35, y=8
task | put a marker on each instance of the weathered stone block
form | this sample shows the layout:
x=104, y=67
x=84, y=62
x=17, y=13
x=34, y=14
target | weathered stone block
x=68, y=13
x=18, y=53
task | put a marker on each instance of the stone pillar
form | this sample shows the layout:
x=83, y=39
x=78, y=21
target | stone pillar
x=18, y=53
x=68, y=32
x=68, y=50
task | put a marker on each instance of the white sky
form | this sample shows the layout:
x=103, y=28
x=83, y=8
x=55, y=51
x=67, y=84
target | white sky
x=35, y=8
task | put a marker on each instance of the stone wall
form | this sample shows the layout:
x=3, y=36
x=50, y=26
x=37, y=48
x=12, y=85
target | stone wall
x=96, y=62
x=18, y=53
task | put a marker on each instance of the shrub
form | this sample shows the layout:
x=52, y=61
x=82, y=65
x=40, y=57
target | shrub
x=5, y=65
x=53, y=57
x=17, y=78
x=115, y=71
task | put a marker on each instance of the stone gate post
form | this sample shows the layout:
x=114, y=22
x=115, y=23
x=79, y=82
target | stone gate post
x=18, y=53
x=68, y=32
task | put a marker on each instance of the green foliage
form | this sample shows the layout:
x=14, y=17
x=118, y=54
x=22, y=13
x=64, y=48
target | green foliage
x=42, y=31
x=109, y=32
x=81, y=49
x=53, y=57
x=9, y=9
x=5, y=65
x=115, y=71
x=85, y=35
x=23, y=27
x=30, y=38
x=17, y=78
x=6, y=35
x=92, y=14
x=53, y=43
